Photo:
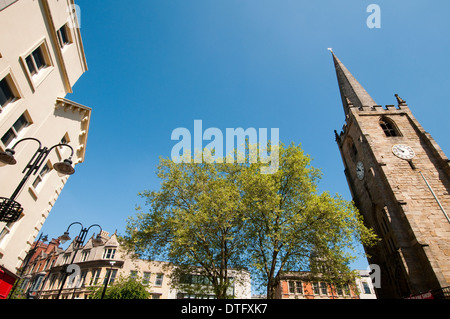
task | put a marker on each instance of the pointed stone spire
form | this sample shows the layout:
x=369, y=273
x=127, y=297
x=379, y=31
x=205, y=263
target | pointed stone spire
x=352, y=93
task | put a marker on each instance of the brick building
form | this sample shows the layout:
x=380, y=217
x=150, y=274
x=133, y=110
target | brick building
x=41, y=258
x=300, y=285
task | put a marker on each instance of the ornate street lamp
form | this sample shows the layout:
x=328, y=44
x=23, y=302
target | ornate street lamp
x=79, y=241
x=10, y=210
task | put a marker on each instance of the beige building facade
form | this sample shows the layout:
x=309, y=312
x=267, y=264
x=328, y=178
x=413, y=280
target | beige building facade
x=41, y=58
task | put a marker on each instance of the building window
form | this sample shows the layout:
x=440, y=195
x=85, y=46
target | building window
x=36, y=61
x=159, y=279
x=85, y=255
x=323, y=288
x=291, y=287
x=63, y=36
x=47, y=168
x=133, y=274
x=14, y=131
x=298, y=287
x=109, y=253
x=64, y=140
x=366, y=288
x=347, y=290
x=60, y=150
x=295, y=287
x=6, y=93
x=83, y=278
x=389, y=127
x=315, y=287
x=146, y=278
x=52, y=281
x=65, y=259
x=95, y=277
x=112, y=277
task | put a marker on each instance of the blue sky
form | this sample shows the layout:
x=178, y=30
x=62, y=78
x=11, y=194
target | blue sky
x=158, y=65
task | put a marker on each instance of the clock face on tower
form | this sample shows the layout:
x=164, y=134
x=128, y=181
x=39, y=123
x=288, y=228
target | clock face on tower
x=403, y=151
x=360, y=170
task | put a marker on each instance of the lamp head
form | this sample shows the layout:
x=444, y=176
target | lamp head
x=7, y=157
x=64, y=237
x=65, y=167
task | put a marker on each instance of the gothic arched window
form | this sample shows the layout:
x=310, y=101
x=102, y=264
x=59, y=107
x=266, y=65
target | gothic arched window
x=389, y=127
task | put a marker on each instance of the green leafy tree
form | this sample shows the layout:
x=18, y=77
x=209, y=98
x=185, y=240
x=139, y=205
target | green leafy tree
x=123, y=288
x=208, y=217
x=295, y=228
x=195, y=221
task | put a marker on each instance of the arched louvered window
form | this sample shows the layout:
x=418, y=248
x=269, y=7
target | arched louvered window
x=389, y=127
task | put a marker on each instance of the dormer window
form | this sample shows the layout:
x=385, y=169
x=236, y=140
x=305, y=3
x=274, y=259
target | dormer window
x=109, y=253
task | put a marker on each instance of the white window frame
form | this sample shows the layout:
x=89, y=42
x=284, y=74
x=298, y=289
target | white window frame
x=109, y=253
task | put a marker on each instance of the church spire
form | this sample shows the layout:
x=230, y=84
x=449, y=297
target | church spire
x=352, y=93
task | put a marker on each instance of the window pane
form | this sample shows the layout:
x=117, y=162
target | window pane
x=6, y=94
x=30, y=65
x=8, y=137
x=291, y=287
x=366, y=287
x=39, y=58
x=388, y=128
x=36, y=182
x=20, y=123
x=63, y=34
x=44, y=170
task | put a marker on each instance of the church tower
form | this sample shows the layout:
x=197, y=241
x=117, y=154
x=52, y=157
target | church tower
x=400, y=181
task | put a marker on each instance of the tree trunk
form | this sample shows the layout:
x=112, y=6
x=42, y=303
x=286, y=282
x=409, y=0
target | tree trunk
x=271, y=288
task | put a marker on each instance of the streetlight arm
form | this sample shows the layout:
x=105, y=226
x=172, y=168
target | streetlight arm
x=27, y=139
x=61, y=144
x=73, y=224
x=97, y=226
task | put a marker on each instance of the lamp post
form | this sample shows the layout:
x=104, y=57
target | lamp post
x=79, y=240
x=107, y=279
x=10, y=210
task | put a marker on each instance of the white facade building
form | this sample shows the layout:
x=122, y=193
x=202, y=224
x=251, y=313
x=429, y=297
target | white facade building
x=41, y=58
